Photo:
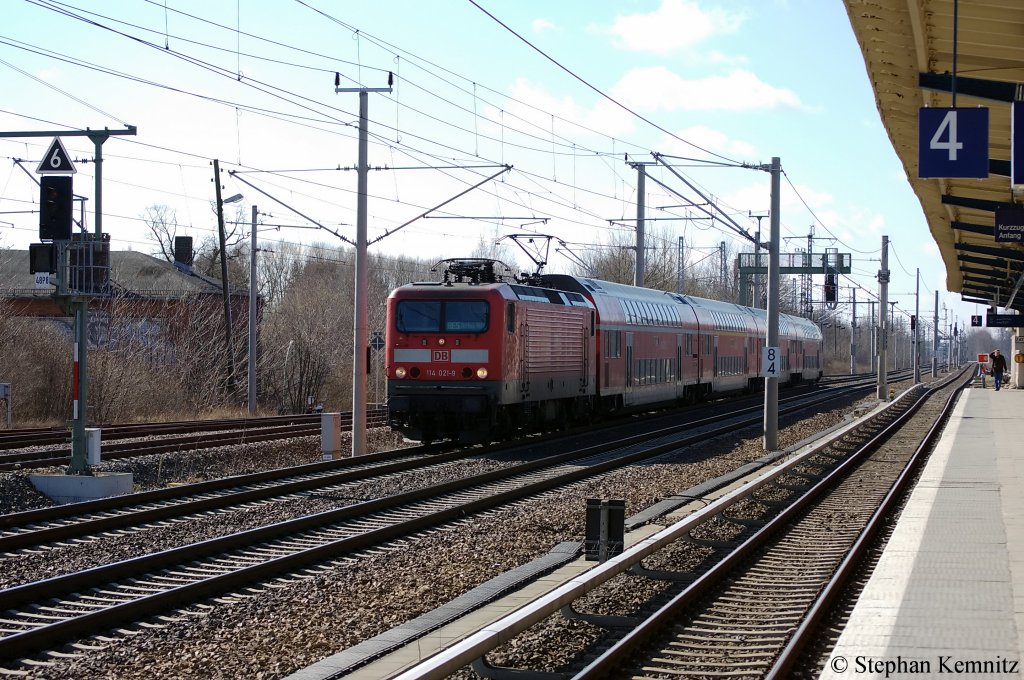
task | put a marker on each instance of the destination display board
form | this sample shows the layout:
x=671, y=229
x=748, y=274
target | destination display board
x=1004, y=320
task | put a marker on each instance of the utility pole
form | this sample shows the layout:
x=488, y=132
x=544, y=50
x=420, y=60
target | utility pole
x=935, y=338
x=853, y=334
x=360, y=344
x=873, y=339
x=949, y=333
x=917, y=318
x=680, y=280
x=252, y=316
x=229, y=341
x=757, y=259
x=771, y=385
x=722, y=268
x=895, y=337
x=883, y=300
x=641, y=195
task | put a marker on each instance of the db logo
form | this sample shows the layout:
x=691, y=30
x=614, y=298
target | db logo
x=441, y=355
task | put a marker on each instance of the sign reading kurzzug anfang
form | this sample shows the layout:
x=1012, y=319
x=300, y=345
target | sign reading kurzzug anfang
x=1010, y=224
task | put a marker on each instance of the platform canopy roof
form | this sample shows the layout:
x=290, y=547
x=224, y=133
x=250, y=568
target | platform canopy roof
x=908, y=52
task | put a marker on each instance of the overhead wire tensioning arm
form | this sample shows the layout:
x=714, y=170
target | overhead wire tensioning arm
x=732, y=223
x=441, y=205
x=277, y=200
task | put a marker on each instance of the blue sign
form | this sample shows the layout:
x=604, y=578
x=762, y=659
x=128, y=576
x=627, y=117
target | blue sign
x=1004, y=320
x=1017, y=144
x=376, y=341
x=952, y=143
x=1009, y=224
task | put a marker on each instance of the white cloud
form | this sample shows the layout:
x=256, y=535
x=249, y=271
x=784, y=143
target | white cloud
x=657, y=88
x=676, y=24
x=707, y=138
x=541, y=25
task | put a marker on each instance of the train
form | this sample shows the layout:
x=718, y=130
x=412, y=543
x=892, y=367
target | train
x=475, y=358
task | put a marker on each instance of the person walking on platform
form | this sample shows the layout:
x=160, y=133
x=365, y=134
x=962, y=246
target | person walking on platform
x=998, y=367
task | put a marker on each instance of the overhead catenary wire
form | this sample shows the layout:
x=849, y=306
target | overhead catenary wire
x=541, y=183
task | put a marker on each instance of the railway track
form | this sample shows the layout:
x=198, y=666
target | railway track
x=733, y=615
x=178, y=437
x=19, y=438
x=47, y=613
x=737, y=618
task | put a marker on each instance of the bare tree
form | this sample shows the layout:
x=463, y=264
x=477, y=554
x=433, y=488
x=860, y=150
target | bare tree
x=307, y=338
x=616, y=259
x=162, y=222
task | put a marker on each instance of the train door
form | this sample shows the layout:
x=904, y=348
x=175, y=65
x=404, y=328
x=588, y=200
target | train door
x=629, y=363
x=714, y=358
x=586, y=333
x=524, y=350
x=515, y=358
x=678, y=373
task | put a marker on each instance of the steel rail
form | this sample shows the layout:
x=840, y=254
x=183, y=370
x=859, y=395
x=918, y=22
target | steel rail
x=57, y=512
x=618, y=653
x=23, y=643
x=10, y=439
x=803, y=635
x=228, y=491
x=476, y=645
x=224, y=498
x=12, y=461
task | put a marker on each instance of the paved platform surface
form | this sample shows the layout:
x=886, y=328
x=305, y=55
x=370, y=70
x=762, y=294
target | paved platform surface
x=947, y=597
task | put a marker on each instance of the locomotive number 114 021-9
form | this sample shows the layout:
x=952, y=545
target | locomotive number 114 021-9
x=440, y=372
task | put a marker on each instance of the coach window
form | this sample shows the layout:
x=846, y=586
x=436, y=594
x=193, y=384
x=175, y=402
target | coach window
x=510, y=317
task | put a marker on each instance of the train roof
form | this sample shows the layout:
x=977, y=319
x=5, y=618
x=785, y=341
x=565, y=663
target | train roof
x=723, y=315
x=511, y=291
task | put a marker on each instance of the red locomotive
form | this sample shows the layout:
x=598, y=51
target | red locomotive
x=475, y=358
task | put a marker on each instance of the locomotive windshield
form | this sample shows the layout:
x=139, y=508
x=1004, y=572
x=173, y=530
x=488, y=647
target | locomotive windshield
x=435, y=316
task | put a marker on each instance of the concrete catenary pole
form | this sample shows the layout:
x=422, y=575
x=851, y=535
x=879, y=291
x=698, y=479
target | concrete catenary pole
x=935, y=337
x=771, y=385
x=883, y=302
x=853, y=333
x=917, y=324
x=360, y=346
x=641, y=193
x=360, y=330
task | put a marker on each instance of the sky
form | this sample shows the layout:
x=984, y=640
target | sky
x=719, y=87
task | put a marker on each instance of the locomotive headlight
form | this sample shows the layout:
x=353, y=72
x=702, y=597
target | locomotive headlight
x=440, y=341
x=481, y=373
x=400, y=372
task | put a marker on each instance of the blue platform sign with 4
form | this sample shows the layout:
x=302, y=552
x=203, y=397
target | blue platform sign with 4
x=952, y=142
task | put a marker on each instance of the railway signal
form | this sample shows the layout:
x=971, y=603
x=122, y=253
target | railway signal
x=55, y=203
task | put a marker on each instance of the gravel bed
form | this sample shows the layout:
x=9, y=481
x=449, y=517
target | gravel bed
x=45, y=562
x=279, y=630
x=185, y=467
x=18, y=494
